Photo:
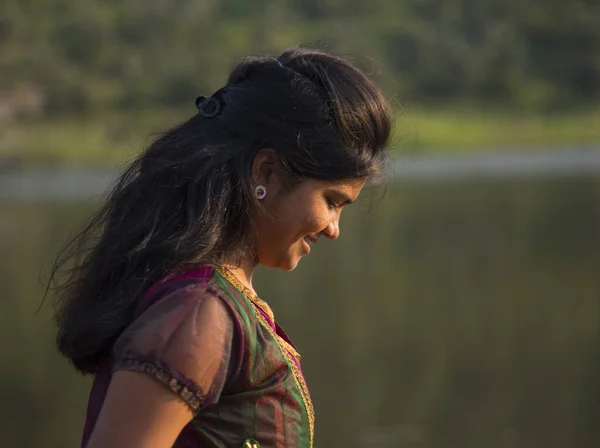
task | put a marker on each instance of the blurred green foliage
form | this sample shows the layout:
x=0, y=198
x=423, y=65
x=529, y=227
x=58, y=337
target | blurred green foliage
x=114, y=139
x=85, y=56
x=86, y=82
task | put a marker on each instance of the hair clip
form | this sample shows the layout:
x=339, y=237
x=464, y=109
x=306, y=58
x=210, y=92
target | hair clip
x=208, y=107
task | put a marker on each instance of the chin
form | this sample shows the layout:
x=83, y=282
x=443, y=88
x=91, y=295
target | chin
x=284, y=260
x=287, y=263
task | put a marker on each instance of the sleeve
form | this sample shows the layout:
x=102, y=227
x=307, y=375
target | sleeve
x=186, y=341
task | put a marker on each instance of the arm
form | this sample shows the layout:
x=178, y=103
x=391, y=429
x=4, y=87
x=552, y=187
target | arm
x=138, y=411
x=169, y=363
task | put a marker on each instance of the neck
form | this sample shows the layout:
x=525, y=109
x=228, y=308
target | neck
x=244, y=271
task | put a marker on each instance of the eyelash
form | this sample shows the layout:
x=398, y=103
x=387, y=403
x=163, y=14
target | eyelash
x=330, y=204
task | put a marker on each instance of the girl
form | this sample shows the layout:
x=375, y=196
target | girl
x=161, y=308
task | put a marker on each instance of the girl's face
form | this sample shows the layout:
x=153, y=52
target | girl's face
x=296, y=218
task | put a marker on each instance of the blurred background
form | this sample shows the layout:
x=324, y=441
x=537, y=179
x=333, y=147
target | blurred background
x=461, y=310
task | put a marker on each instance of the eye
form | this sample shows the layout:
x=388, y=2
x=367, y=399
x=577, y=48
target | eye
x=331, y=205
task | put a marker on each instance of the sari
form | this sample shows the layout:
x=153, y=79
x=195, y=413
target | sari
x=216, y=345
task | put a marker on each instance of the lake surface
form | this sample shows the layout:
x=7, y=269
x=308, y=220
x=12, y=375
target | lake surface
x=461, y=314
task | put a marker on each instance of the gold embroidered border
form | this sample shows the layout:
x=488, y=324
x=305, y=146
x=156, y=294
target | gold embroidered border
x=298, y=377
x=286, y=348
x=227, y=274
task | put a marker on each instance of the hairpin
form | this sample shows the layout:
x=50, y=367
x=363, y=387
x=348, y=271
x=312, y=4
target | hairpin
x=208, y=106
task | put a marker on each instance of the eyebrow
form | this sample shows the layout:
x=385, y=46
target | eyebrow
x=346, y=198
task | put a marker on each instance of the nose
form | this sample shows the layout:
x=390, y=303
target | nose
x=332, y=231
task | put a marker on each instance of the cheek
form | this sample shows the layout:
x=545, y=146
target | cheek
x=314, y=221
x=294, y=220
x=315, y=218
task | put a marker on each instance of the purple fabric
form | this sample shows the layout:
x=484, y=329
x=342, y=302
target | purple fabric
x=202, y=273
x=104, y=375
x=95, y=400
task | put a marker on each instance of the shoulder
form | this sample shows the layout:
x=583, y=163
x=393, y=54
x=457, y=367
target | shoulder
x=196, y=282
x=178, y=308
x=195, y=299
x=184, y=297
x=233, y=298
x=186, y=335
x=188, y=281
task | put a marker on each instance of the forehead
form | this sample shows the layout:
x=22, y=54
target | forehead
x=350, y=187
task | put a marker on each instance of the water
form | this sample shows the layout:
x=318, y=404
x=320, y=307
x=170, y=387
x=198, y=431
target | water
x=68, y=183
x=463, y=314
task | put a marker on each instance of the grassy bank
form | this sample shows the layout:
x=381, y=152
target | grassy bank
x=478, y=131
x=112, y=139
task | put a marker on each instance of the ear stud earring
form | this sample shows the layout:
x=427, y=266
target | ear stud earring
x=260, y=192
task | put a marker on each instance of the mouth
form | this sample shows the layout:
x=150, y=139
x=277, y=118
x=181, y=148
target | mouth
x=308, y=241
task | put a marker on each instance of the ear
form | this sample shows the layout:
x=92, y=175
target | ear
x=265, y=169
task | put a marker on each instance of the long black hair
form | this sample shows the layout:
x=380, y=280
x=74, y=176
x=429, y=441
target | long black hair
x=188, y=197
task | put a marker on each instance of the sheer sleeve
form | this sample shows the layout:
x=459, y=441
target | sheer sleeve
x=184, y=340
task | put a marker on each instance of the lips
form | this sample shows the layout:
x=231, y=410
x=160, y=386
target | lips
x=310, y=240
